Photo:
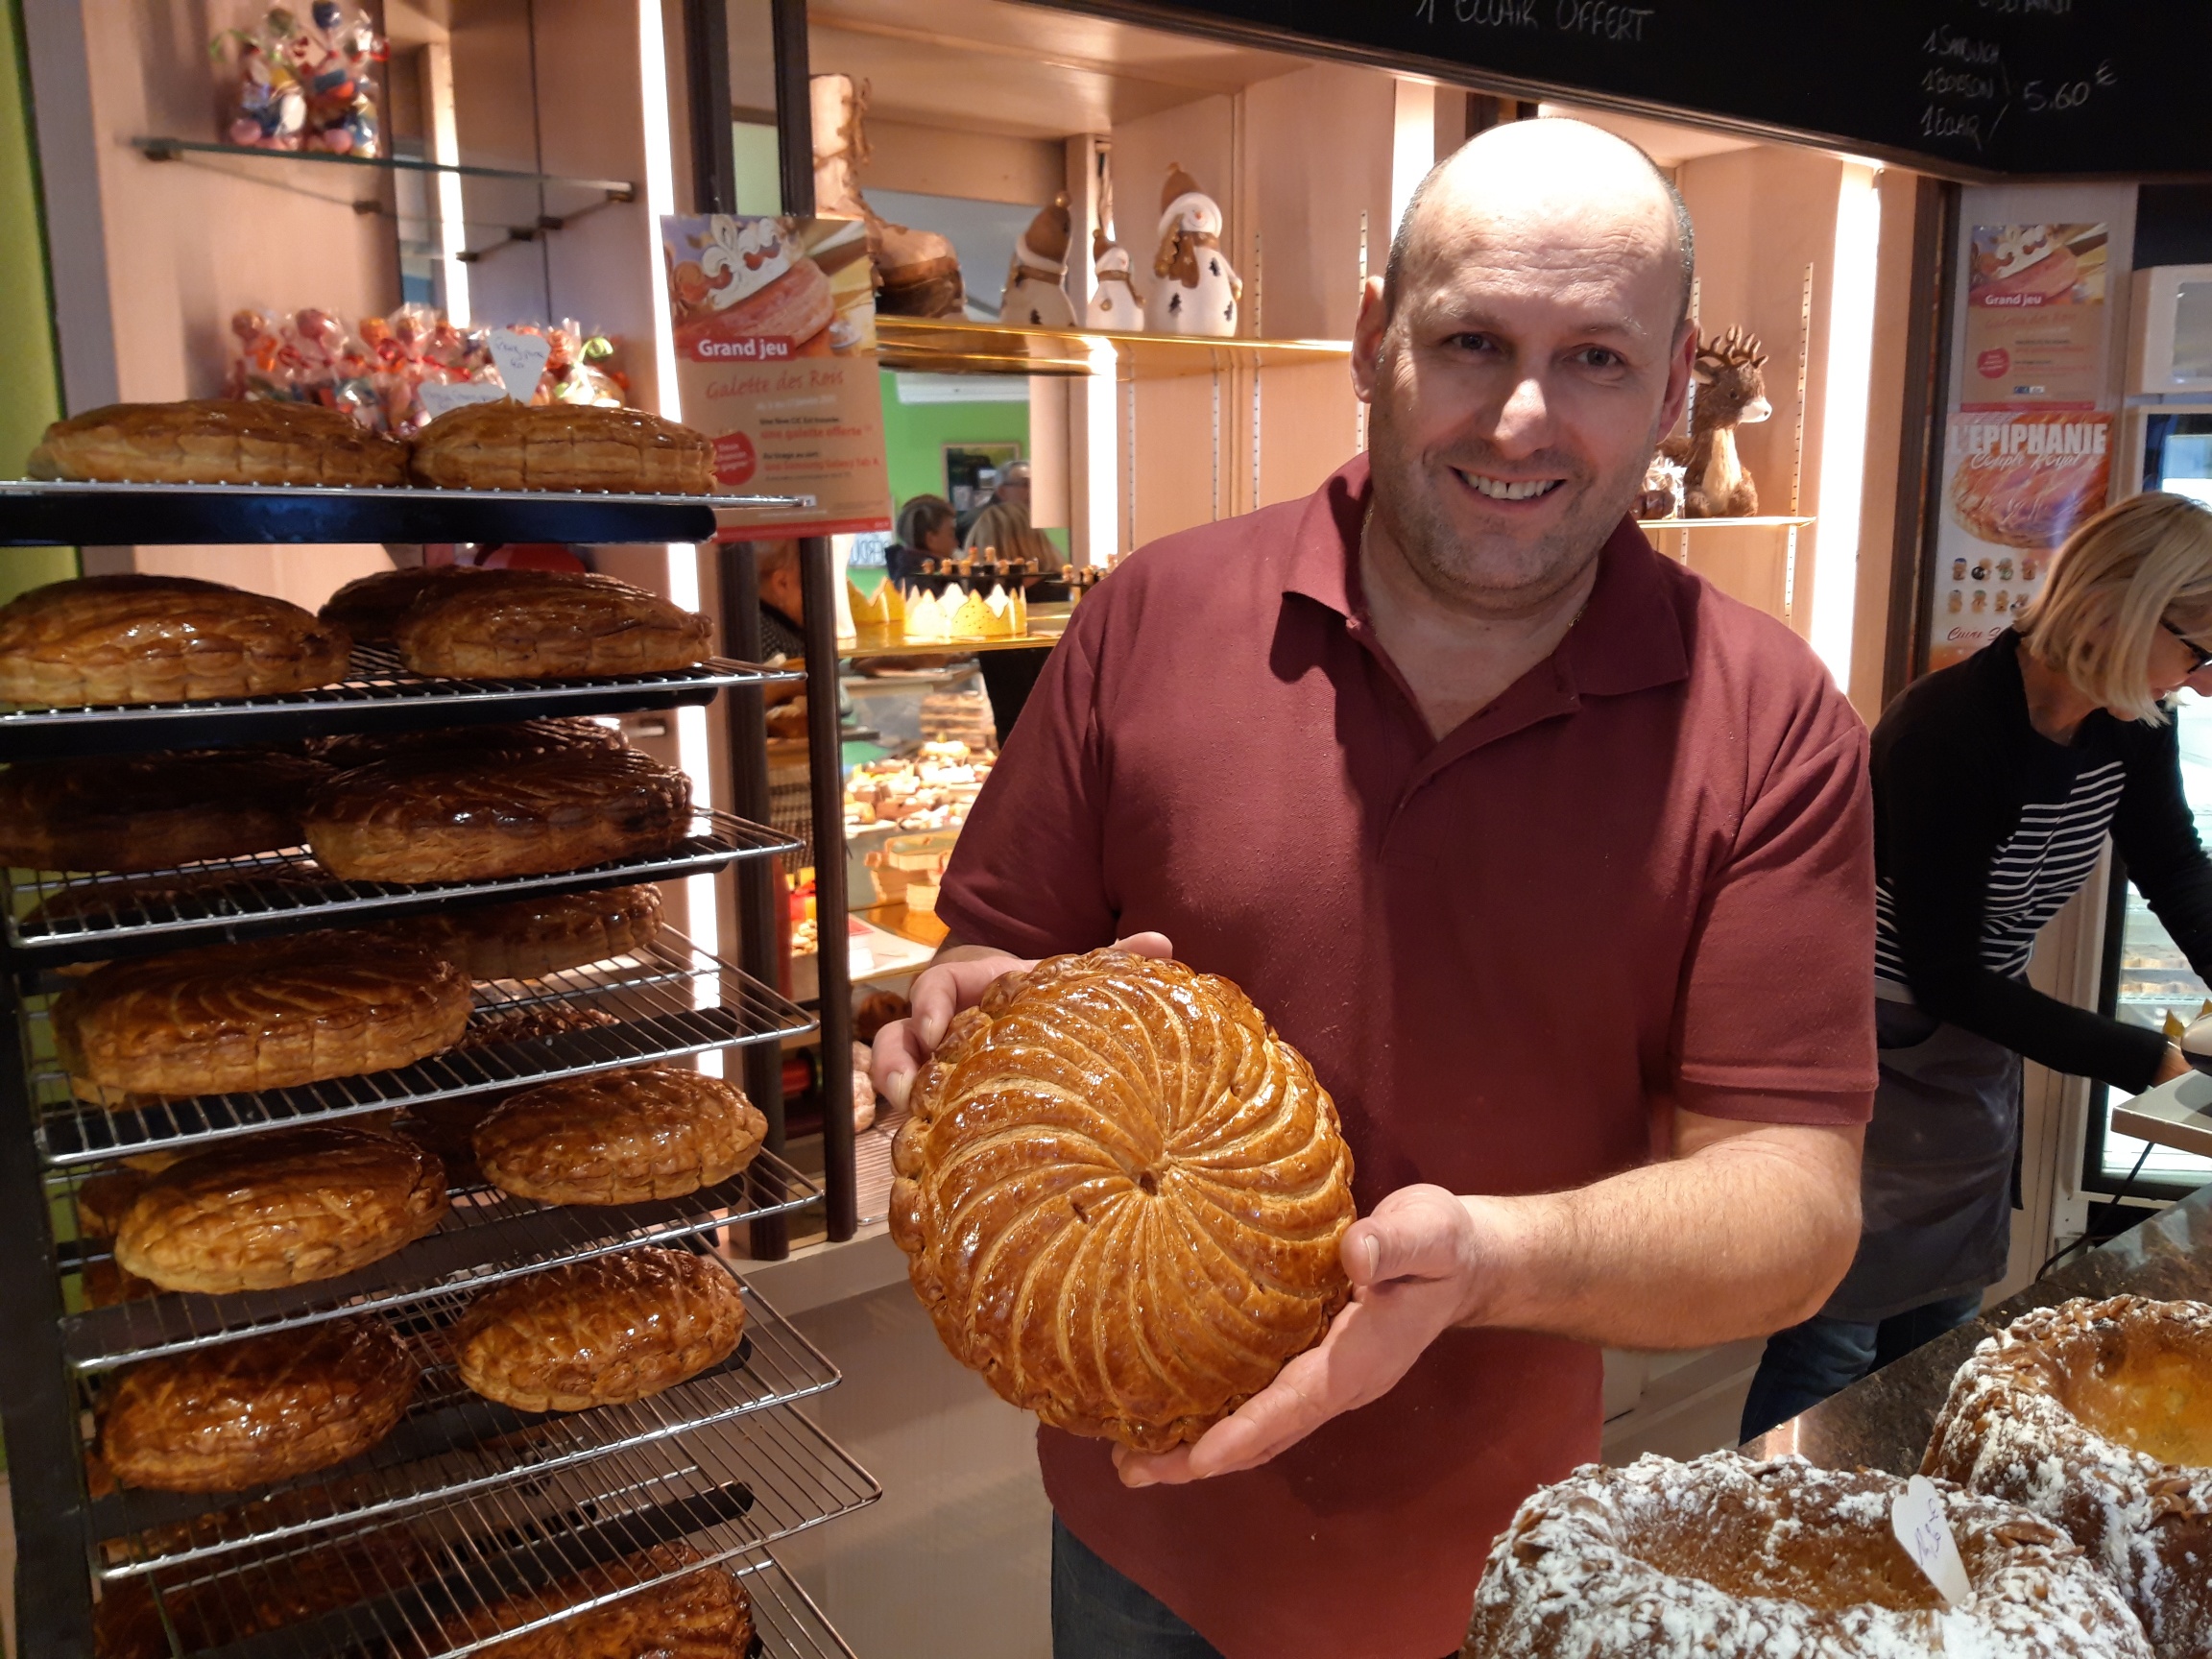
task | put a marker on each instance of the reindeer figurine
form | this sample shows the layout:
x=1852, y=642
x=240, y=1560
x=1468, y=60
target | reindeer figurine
x=1731, y=393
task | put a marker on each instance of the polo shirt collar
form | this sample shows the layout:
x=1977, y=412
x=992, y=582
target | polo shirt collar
x=1629, y=636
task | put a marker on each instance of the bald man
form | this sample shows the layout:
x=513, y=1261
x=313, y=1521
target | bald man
x=1556, y=864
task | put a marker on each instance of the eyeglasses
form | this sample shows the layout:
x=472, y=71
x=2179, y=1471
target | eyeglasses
x=2200, y=658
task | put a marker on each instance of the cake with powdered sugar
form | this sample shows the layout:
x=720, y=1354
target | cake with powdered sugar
x=1729, y=1558
x=2097, y=1415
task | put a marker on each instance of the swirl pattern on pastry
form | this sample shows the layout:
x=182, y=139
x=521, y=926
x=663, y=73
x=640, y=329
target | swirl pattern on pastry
x=599, y=1332
x=443, y=1125
x=280, y=1209
x=261, y=1014
x=1123, y=1196
x=539, y=624
x=701, y=1615
x=539, y=935
x=619, y=1136
x=159, y=639
x=266, y=1408
x=2097, y=1415
x=510, y=446
x=440, y=818
x=150, y=811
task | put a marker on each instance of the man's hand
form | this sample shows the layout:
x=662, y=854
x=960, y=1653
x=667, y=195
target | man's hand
x=1414, y=1265
x=955, y=980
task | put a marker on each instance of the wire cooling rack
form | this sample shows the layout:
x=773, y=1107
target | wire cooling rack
x=724, y=1492
x=668, y=999
x=452, y=1444
x=56, y=917
x=377, y=696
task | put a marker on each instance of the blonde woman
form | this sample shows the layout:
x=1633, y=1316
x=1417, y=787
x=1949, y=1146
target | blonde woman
x=1995, y=785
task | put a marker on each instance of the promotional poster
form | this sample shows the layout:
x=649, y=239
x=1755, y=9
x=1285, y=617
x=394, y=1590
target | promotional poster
x=2035, y=317
x=774, y=327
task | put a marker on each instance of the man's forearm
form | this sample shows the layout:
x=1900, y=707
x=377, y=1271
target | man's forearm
x=1740, y=1238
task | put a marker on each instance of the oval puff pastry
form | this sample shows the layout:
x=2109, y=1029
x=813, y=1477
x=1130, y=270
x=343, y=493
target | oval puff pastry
x=132, y=812
x=445, y=818
x=510, y=446
x=159, y=639
x=280, y=1209
x=619, y=1136
x=599, y=1332
x=1123, y=1194
x=261, y=1014
x=539, y=624
x=701, y=1615
x=444, y=1124
x=543, y=934
x=266, y=1408
x=370, y=607
x=502, y=739
x=218, y=441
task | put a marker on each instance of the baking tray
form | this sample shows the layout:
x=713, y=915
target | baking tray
x=668, y=1000
x=35, y=513
x=453, y=1443
x=728, y=1492
x=377, y=696
x=286, y=892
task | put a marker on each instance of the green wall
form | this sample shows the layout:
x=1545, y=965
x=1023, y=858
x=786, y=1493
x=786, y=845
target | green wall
x=31, y=386
x=915, y=436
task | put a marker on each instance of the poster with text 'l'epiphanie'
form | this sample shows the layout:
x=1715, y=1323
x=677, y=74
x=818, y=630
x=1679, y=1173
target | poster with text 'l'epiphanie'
x=774, y=327
x=2015, y=485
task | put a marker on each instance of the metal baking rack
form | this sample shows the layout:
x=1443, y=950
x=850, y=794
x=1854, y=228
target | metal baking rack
x=453, y=1443
x=55, y=917
x=785, y=1618
x=667, y=1000
x=377, y=694
x=725, y=1493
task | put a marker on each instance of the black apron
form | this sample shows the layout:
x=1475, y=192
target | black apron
x=1937, y=1185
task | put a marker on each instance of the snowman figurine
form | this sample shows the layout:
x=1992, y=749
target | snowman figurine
x=1035, y=298
x=1194, y=290
x=1114, y=301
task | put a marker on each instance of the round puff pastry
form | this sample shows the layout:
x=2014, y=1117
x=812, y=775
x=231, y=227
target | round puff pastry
x=159, y=639
x=370, y=607
x=701, y=1615
x=599, y=1332
x=619, y=1136
x=538, y=624
x=510, y=446
x=266, y=1408
x=445, y=818
x=1123, y=1196
x=503, y=740
x=280, y=1209
x=151, y=812
x=262, y=1014
x=218, y=441
x=540, y=935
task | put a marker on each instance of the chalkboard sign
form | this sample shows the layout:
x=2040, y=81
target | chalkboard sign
x=2051, y=87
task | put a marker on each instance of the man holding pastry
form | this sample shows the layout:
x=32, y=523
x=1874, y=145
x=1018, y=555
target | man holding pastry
x=1555, y=864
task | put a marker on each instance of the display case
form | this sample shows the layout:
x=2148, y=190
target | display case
x=471, y=1519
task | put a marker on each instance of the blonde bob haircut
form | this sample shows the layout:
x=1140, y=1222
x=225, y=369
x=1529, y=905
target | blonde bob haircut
x=2119, y=577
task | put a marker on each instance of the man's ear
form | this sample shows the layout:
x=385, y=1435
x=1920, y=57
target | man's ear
x=1368, y=338
x=1681, y=369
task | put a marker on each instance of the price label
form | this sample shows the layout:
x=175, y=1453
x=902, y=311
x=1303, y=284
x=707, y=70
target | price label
x=443, y=396
x=519, y=359
x=1917, y=1517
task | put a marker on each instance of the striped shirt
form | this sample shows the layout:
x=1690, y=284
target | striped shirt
x=2032, y=873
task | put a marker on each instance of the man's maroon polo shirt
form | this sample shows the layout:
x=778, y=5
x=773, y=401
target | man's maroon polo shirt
x=1644, y=874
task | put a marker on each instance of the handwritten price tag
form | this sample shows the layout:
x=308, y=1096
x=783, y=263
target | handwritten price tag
x=442, y=397
x=519, y=359
x=1916, y=1515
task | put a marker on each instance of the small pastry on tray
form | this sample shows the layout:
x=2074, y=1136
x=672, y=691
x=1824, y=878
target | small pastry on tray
x=370, y=607
x=159, y=639
x=262, y=1014
x=285, y=1208
x=539, y=935
x=678, y=1614
x=599, y=1332
x=510, y=446
x=445, y=818
x=218, y=441
x=619, y=1136
x=132, y=812
x=266, y=1408
x=503, y=740
x=542, y=624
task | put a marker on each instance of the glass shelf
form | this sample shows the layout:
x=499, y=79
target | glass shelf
x=169, y=149
x=946, y=345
